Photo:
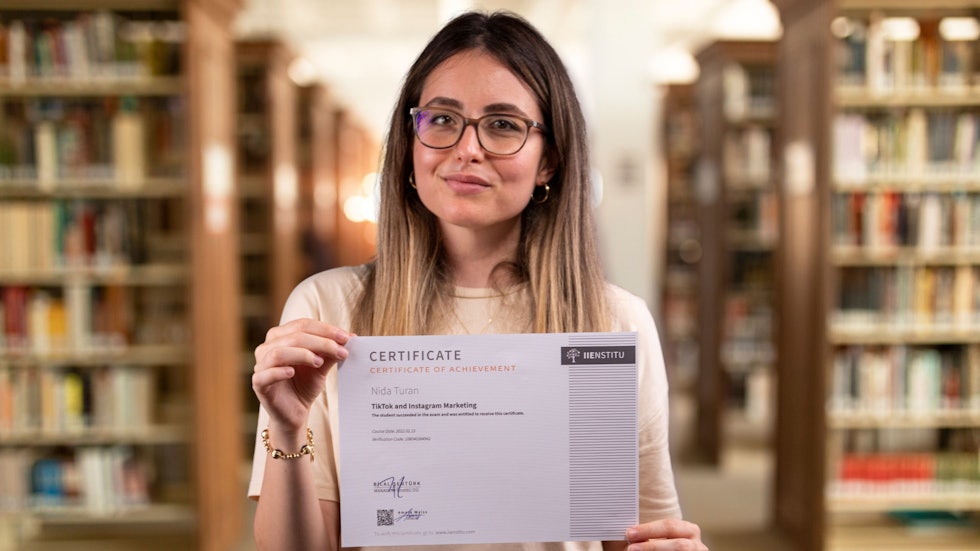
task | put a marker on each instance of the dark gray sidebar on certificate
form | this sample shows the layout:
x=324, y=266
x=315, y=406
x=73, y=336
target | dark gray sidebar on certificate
x=602, y=433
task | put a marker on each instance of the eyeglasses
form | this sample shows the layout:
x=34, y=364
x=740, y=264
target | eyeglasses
x=497, y=133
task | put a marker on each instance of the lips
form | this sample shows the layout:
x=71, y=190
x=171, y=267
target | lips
x=465, y=182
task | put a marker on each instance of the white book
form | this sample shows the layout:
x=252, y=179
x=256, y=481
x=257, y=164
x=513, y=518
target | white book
x=930, y=223
x=128, y=146
x=917, y=142
x=38, y=320
x=17, y=51
x=78, y=301
x=76, y=51
x=46, y=154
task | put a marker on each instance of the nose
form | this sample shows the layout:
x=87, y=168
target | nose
x=469, y=143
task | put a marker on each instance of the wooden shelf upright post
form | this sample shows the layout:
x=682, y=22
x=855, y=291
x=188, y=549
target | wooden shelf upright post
x=215, y=330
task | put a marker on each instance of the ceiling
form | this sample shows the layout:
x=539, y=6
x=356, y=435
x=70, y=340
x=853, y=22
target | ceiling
x=361, y=49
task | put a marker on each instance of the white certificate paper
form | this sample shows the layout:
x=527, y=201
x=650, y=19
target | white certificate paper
x=488, y=438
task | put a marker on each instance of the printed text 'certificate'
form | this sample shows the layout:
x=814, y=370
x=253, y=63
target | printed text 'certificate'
x=488, y=438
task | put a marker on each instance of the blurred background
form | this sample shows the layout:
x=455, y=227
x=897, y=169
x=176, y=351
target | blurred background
x=788, y=184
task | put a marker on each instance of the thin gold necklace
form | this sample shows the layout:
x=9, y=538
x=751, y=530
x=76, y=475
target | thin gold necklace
x=466, y=329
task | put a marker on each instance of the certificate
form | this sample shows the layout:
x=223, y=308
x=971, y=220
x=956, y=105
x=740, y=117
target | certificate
x=488, y=438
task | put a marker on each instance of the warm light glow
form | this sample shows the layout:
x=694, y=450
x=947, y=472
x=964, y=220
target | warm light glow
x=674, y=65
x=357, y=208
x=302, y=72
x=959, y=28
x=286, y=186
x=217, y=188
x=747, y=20
x=900, y=29
x=370, y=183
x=365, y=206
x=842, y=27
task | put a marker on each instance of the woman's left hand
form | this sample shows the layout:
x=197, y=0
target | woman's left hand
x=665, y=535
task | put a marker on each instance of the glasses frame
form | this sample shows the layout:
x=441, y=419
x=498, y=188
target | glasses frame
x=531, y=124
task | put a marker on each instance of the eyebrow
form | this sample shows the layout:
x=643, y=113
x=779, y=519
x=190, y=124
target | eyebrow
x=442, y=101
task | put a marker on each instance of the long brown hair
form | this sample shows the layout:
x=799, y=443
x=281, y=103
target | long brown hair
x=408, y=287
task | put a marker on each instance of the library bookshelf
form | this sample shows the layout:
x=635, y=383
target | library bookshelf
x=118, y=369
x=268, y=113
x=737, y=208
x=679, y=318
x=878, y=348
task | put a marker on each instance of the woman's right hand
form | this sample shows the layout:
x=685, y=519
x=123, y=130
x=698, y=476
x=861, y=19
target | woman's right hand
x=291, y=367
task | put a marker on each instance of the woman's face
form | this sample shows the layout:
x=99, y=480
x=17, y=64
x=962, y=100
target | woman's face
x=464, y=185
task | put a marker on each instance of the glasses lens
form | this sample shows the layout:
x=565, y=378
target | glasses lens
x=437, y=128
x=498, y=134
x=502, y=134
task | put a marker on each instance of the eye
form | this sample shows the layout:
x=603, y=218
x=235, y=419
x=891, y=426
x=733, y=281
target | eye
x=503, y=124
x=441, y=118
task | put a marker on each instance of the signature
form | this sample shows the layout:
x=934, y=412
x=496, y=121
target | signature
x=392, y=484
x=410, y=514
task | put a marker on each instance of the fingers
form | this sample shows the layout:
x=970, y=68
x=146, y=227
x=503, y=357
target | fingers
x=302, y=342
x=666, y=534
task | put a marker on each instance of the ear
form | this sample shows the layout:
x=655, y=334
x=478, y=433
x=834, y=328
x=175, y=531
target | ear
x=546, y=170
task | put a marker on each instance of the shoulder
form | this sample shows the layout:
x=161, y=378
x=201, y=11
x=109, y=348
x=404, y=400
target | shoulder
x=629, y=312
x=343, y=279
x=328, y=295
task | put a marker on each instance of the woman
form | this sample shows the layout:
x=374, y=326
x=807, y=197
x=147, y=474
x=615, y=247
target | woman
x=485, y=227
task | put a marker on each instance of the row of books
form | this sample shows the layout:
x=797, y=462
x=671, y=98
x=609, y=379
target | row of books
x=748, y=347
x=925, y=221
x=749, y=91
x=906, y=143
x=747, y=155
x=95, y=480
x=872, y=57
x=89, y=45
x=912, y=297
x=905, y=379
x=49, y=235
x=74, y=318
x=75, y=401
x=754, y=218
x=80, y=139
x=907, y=473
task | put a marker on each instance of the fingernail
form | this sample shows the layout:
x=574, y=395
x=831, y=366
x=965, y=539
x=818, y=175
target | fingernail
x=317, y=361
x=342, y=335
x=630, y=534
x=341, y=353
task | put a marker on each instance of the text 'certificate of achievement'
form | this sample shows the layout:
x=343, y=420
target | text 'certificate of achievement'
x=488, y=438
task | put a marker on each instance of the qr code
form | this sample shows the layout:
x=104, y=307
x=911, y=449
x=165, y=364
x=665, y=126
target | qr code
x=386, y=517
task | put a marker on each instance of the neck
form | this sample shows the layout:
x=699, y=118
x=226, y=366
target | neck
x=473, y=254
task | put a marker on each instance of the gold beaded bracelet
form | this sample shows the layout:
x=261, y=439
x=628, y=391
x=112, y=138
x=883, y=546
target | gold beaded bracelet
x=307, y=448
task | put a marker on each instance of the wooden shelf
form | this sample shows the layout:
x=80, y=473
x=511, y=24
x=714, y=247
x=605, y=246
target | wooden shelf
x=87, y=5
x=147, y=274
x=884, y=334
x=897, y=500
x=890, y=419
x=150, y=188
x=737, y=112
x=141, y=355
x=93, y=436
x=904, y=256
x=836, y=333
x=175, y=261
x=94, y=87
x=854, y=97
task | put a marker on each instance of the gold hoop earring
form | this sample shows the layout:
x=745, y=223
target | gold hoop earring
x=547, y=193
x=411, y=180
